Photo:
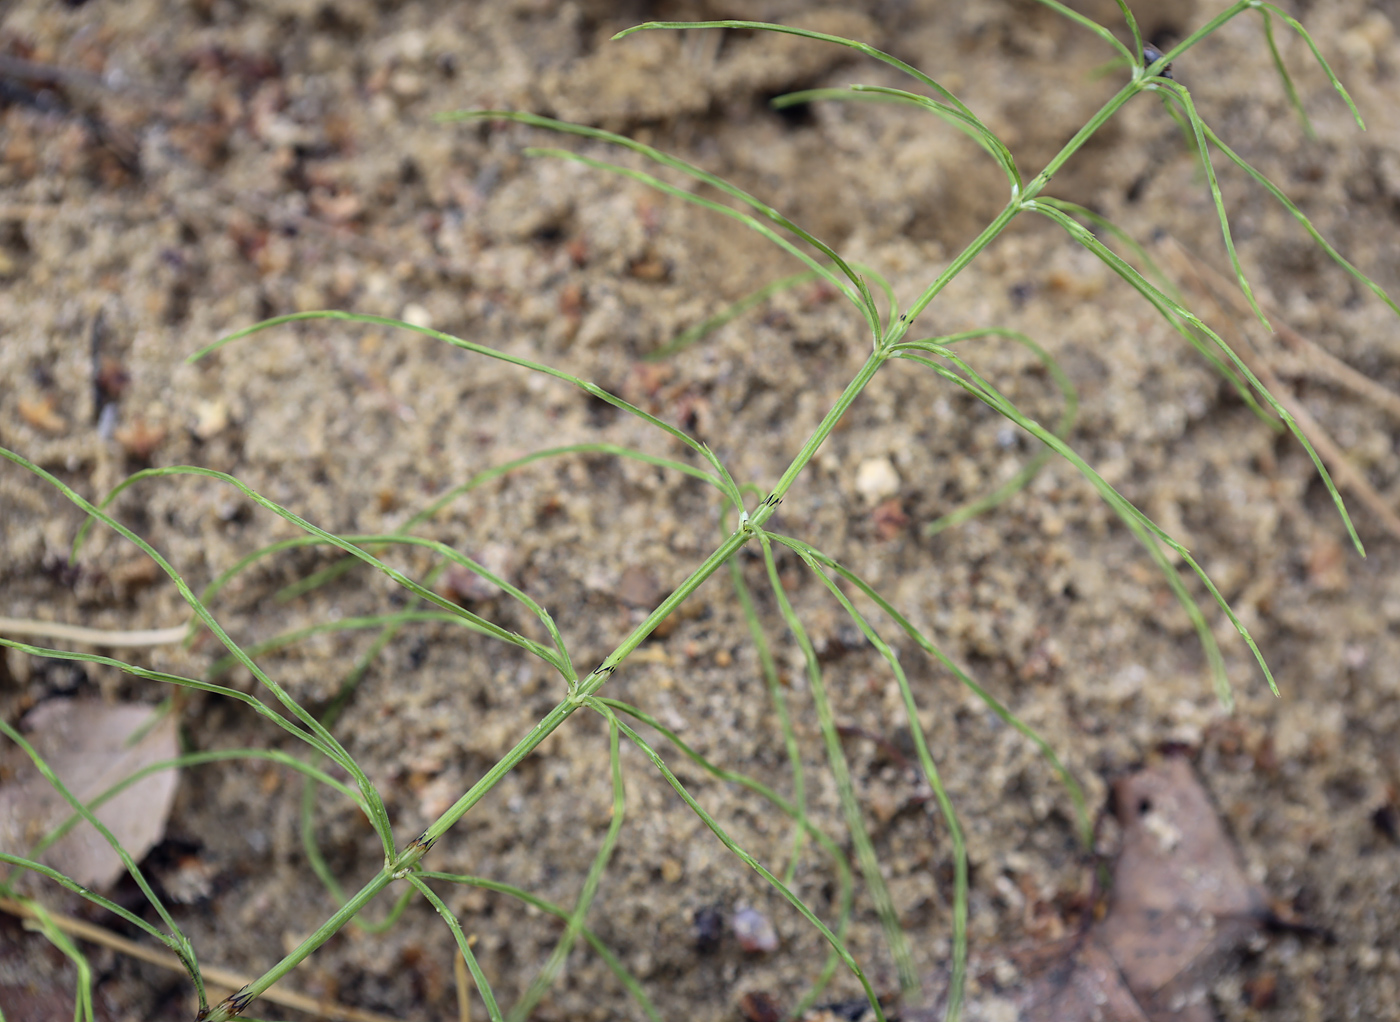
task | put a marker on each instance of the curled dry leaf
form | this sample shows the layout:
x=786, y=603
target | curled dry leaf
x=90, y=746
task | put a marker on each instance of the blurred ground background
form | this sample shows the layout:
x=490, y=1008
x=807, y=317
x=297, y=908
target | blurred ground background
x=174, y=171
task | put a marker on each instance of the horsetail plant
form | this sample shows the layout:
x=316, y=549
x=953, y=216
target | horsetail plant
x=748, y=514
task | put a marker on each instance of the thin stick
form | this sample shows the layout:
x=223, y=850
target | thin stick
x=218, y=977
x=464, y=988
x=1309, y=357
x=1347, y=474
x=95, y=636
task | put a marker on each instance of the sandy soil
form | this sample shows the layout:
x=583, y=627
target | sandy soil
x=205, y=165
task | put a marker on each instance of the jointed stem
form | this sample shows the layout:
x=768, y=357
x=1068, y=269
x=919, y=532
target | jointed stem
x=594, y=681
x=403, y=864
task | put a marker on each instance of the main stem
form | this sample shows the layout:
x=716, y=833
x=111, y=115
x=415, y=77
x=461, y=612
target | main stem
x=407, y=859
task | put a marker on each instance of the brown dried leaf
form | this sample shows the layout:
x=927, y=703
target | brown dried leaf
x=1180, y=895
x=86, y=744
x=1084, y=984
x=1180, y=901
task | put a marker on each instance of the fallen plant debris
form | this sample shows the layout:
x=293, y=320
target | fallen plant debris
x=1179, y=903
x=227, y=979
x=90, y=746
x=1289, y=352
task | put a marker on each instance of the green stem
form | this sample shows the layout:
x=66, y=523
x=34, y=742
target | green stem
x=409, y=857
x=845, y=788
x=809, y=449
x=708, y=567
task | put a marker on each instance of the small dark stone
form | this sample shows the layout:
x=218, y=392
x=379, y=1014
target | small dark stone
x=709, y=929
x=1384, y=820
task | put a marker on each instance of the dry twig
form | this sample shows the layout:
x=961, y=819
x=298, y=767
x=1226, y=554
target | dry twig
x=215, y=976
x=1310, y=360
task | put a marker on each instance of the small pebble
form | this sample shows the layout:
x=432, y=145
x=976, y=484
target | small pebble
x=876, y=479
x=709, y=929
x=416, y=315
x=754, y=932
x=211, y=418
